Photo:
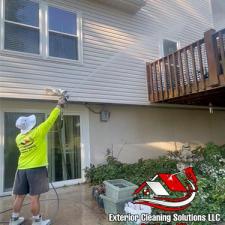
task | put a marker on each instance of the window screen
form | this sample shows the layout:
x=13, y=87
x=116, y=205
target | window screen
x=63, y=40
x=22, y=26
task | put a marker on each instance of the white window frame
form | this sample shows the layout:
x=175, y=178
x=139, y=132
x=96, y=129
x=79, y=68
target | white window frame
x=2, y=144
x=44, y=34
x=78, y=35
x=161, y=51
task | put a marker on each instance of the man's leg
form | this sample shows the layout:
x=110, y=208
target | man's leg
x=38, y=183
x=35, y=210
x=20, y=189
x=18, y=203
x=35, y=205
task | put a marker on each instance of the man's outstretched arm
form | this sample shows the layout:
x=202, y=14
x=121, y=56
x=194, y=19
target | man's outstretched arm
x=44, y=127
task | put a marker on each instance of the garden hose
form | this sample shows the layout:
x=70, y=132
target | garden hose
x=44, y=200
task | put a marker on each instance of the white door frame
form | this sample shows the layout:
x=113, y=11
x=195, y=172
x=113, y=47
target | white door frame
x=1, y=150
x=85, y=150
x=45, y=107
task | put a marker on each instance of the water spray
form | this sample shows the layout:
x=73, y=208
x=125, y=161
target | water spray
x=57, y=92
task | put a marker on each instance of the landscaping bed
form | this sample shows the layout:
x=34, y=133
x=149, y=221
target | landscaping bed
x=208, y=163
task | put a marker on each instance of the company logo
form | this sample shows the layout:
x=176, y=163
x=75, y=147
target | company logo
x=156, y=192
x=27, y=144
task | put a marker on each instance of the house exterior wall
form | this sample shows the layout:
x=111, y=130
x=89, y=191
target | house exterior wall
x=116, y=46
x=144, y=132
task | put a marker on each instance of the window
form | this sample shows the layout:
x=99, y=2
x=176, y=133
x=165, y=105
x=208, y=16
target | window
x=41, y=29
x=22, y=31
x=62, y=34
x=169, y=47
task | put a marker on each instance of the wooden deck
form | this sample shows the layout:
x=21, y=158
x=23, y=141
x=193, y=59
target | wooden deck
x=194, y=74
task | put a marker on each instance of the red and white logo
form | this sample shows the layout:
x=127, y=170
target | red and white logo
x=160, y=197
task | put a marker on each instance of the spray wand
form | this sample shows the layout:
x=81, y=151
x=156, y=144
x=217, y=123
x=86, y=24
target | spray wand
x=62, y=94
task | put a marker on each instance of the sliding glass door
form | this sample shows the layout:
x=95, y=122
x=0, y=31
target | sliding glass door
x=65, y=149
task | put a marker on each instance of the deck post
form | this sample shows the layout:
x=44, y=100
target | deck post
x=213, y=62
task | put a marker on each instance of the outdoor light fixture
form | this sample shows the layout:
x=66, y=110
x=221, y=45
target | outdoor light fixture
x=104, y=115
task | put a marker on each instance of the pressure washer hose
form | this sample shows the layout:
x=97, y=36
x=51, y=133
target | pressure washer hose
x=44, y=200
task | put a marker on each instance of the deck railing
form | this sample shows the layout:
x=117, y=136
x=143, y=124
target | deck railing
x=195, y=68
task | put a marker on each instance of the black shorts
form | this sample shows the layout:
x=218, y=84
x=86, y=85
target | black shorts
x=31, y=181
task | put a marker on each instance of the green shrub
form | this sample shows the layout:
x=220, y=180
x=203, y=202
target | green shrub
x=135, y=173
x=211, y=183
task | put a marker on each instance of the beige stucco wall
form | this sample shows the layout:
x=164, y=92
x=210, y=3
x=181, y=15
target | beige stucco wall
x=134, y=132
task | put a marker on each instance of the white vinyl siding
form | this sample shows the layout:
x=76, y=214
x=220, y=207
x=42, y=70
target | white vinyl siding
x=218, y=11
x=116, y=46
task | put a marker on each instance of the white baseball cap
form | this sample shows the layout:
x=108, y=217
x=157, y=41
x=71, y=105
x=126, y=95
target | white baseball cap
x=26, y=123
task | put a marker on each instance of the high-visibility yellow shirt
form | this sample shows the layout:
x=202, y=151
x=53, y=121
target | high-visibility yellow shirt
x=33, y=145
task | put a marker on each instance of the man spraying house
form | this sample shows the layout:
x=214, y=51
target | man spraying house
x=32, y=175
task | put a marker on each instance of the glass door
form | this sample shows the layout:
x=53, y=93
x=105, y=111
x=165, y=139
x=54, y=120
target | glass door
x=64, y=147
x=11, y=153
